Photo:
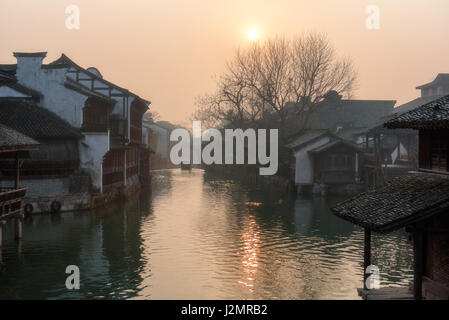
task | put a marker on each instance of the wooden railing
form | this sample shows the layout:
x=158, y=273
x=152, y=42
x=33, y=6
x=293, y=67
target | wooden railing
x=11, y=201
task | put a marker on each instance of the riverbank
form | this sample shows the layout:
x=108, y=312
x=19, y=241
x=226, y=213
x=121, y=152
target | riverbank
x=77, y=201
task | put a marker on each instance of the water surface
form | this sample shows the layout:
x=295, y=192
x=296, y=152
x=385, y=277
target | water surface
x=195, y=236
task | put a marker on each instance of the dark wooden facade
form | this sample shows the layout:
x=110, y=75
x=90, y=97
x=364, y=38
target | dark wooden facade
x=336, y=165
x=113, y=166
x=96, y=115
x=433, y=256
x=126, y=160
x=54, y=158
x=434, y=148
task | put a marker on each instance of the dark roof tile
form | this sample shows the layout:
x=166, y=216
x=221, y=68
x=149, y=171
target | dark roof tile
x=432, y=115
x=12, y=140
x=403, y=200
x=28, y=118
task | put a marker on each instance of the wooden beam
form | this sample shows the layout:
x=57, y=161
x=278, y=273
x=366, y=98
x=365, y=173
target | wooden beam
x=18, y=228
x=366, y=256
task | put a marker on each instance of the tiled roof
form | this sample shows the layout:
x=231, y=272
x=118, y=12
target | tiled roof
x=28, y=118
x=6, y=76
x=403, y=200
x=332, y=144
x=442, y=78
x=359, y=113
x=413, y=104
x=434, y=114
x=305, y=137
x=13, y=140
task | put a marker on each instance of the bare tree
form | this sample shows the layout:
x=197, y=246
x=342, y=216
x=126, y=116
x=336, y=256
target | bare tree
x=318, y=71
x=287, y=78
x=232, y=103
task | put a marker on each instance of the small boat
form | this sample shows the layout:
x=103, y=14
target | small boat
x=186, y=166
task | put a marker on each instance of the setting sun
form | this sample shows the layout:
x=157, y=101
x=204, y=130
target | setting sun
x=253, y=34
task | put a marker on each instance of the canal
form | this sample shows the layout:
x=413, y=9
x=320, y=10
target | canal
x=195, y=236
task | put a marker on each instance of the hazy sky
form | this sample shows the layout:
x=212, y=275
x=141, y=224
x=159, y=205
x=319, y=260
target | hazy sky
x=167, y=51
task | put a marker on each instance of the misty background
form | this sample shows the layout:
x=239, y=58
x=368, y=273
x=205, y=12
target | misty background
x=169, y=51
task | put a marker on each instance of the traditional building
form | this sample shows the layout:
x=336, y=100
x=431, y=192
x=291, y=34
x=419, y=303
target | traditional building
x=418, y=202
x=439, y=86
x=322, y=161
x=106, y=118
x=326, y=156
x=159, y=142
x=389, y=153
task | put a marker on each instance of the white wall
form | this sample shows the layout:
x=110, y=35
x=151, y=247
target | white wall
x=304, y=163
x=64, y=102
x=92, y=150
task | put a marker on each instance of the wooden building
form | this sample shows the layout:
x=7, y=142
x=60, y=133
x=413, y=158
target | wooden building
x=13, y=145
x=335, y=130
x=418, y=202
x=90, y=130
x=322, y=162
x=388, y=153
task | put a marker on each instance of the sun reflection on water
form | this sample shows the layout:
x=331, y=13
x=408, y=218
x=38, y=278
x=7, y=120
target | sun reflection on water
x=250, y=247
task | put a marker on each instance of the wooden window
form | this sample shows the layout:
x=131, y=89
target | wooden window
x=95, y=116
x=131, y=162
x=433, y=150
x=439, y=154
x=113, y=168
x=136, y=125
x=424, y=150
x=338, y=162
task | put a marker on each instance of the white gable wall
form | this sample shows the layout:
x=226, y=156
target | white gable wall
x=64, y=102
x=68, y=104
x=304, y=163
x=92, y=150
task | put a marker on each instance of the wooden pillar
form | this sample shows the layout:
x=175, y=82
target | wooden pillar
x=418, y=261
x=1, y=233
x=366, y=256
x=18, y=228
x=125, y=165
x=16, y=180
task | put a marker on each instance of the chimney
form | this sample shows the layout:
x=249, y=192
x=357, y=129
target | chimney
x=28, y=65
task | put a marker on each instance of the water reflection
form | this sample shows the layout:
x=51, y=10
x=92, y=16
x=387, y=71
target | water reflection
x=200, y=237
